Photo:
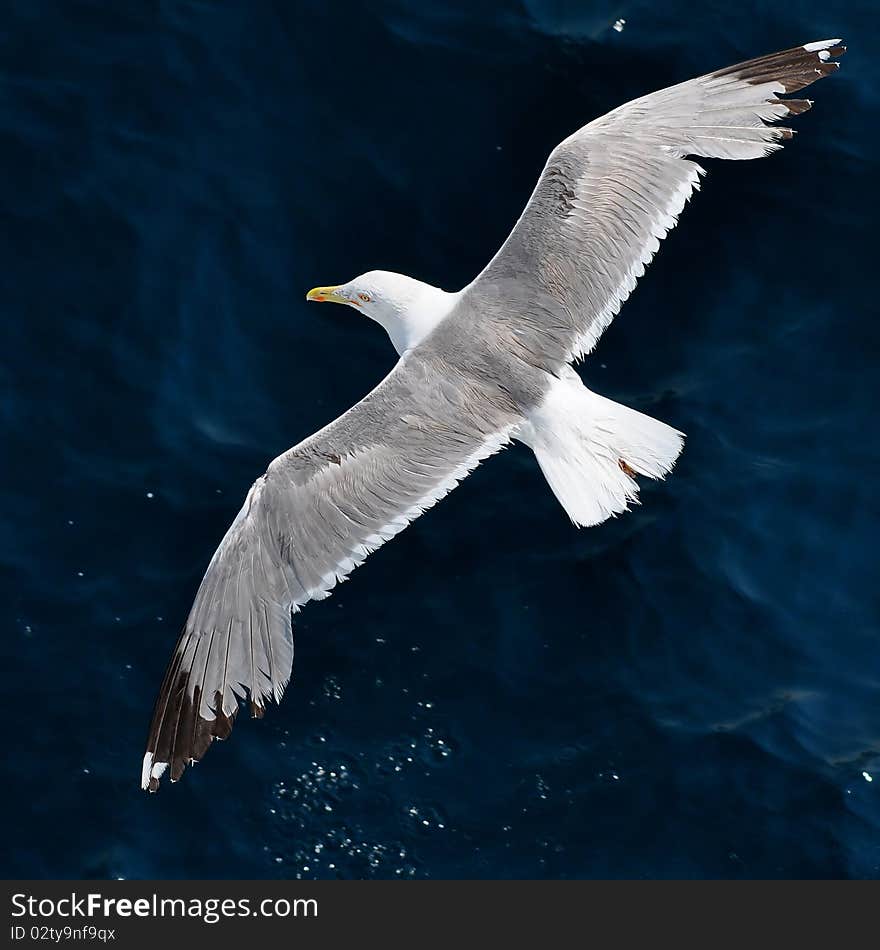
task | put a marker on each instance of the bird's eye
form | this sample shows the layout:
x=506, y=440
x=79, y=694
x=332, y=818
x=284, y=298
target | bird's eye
x=364, y=297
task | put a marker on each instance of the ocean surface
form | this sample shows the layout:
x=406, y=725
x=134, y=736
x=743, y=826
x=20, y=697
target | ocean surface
x=692, y=690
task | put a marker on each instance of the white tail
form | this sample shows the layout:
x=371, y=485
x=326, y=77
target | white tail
x=589, y=448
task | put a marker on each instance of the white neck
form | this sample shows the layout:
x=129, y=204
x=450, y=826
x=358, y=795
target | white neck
x=417, y=316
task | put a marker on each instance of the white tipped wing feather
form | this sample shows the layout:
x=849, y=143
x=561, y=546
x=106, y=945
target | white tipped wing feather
x=316, y=514
x=612, y=191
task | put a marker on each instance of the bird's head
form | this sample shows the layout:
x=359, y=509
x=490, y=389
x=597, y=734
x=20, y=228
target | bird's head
x=408, y=309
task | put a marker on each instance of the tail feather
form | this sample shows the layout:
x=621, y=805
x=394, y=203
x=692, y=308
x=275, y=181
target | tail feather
x=591, y=449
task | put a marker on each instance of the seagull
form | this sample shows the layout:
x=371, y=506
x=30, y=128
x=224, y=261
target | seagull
x=477, y=369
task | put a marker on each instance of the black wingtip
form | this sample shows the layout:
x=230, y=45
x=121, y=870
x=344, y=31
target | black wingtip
x=793, y=68
x=179, y=733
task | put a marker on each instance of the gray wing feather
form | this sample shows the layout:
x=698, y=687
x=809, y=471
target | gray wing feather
x=612, y=191
x=317, y=513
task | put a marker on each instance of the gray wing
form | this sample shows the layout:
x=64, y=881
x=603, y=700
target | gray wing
x=316, y=514
x=610, y=192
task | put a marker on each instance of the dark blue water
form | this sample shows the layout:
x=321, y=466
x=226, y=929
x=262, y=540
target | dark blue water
x=692, y=690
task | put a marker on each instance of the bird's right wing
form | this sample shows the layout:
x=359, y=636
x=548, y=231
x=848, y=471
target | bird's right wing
x=319, y=510
x=611, y=191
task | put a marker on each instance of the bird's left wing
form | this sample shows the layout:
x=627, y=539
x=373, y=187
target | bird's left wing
x=315, y=515
x=611, y=191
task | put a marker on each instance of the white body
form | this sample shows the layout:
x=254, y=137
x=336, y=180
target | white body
x=588, y=447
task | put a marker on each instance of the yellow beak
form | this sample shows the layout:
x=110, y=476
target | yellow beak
x=326, y=295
